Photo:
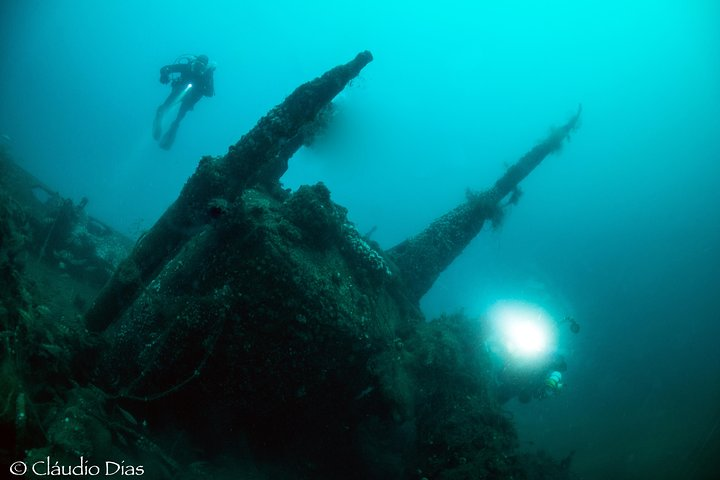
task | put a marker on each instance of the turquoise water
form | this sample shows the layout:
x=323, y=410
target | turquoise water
x=621, y=230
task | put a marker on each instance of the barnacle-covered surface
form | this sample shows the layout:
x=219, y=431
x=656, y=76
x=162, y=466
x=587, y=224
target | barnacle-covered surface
x=269, y=340
x=53, y=259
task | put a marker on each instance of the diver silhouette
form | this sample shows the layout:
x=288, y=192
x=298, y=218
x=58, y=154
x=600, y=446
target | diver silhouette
x=539, y=380
x=193, y=81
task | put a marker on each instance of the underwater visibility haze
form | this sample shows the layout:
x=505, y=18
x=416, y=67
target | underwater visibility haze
x=614, y=239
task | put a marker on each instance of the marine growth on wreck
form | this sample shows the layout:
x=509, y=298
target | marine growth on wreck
x=252, y=332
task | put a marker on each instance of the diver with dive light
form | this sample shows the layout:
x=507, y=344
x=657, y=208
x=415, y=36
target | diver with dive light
x=193, y=80
x=524, y=353
x=540, y=380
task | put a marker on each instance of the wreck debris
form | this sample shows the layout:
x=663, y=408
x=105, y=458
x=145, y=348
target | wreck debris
x=422, y=258
x=259, y=158
x=293, y=330
x=263, y=325
x=61, y=233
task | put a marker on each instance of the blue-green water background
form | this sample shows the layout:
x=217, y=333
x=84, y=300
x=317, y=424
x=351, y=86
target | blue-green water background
x=622, y=230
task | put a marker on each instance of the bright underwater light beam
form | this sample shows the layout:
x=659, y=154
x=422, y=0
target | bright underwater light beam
x=526, y=338
x=524, y=330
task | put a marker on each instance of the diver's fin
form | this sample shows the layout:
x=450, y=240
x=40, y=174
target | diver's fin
x=166, y=142
x=169, y=138
x=157, y=126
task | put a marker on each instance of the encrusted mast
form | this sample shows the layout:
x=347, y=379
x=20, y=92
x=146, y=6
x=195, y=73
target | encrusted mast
x=422, y=258
x=260, y=157
x=251, y=323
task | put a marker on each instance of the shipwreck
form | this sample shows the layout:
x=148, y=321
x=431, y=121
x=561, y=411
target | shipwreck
x=252, y=332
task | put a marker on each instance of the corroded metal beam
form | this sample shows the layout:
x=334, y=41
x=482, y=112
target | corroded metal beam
x=423, y=257
x=259, y=158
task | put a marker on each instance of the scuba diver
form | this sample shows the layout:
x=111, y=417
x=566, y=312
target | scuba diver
x=193, y=81
x=539, y=380
x=574, y=325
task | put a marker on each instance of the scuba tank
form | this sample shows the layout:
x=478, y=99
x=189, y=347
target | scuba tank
x=553, y=383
